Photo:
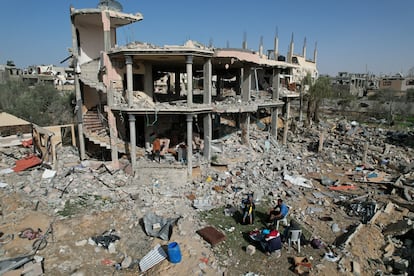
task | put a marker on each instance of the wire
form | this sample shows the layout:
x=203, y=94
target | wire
x=155, y=120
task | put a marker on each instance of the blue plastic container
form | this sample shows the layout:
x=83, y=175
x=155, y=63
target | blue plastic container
x=174, y=252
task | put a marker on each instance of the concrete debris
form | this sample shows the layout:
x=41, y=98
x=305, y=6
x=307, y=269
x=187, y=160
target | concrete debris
x=90, y=195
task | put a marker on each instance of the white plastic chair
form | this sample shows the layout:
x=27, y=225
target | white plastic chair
x=294, y=236
x=283, y=220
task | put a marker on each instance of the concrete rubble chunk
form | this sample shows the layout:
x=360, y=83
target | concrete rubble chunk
x=356, y=268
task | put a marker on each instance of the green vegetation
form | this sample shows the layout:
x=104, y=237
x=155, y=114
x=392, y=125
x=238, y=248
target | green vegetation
x=409, y=97
x=79, y=205
x=41, y=104
x=237, y=238
x=72, y=207
x=320, y=90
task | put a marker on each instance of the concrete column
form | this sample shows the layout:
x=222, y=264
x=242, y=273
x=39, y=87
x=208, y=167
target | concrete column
x=133, y=141
x=78, y=94
x=177, y=84
x=245, y=128
x=130, y=84
x=275, y=97
x=148, y=80
x=218, y=86
x=245, y=117
x=113, y=133
x=207, y=123
x=189, y=145
x=246, y=83
x=207, y=84
x=208, y=136
x=275, y=125
x=106, y=21
x=286, y=126
x=189, y=69
x=276, y=47
x=79, y=117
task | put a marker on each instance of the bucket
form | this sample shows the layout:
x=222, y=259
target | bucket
x=174, y=252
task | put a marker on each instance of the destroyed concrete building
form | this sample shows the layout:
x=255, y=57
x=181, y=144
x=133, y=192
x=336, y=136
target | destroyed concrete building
x=397, y=82
x=9, y=73
x=127, y=95
x=60, y=77
x=354, y=83
x=361, y=215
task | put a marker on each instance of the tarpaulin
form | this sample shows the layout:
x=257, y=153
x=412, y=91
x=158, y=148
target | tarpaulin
x=163, y=227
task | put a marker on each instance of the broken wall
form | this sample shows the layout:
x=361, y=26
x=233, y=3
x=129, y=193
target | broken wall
x=13, y=130
x=90, y=47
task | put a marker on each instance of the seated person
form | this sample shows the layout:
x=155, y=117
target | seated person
x=292, y=226
x=156, y=149
x=272, y=241
x=248, y=210
x=278, y=212
x=159, y=148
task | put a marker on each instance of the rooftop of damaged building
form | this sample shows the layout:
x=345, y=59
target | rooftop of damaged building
x=113, y=8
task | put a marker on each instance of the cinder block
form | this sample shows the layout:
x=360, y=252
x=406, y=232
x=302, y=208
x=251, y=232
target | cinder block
x=356, y=268
x=251, y=249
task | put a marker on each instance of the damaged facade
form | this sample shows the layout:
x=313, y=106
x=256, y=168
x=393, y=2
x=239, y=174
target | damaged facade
x=127, y=95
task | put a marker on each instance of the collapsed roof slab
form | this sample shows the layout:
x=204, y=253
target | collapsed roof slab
x=237, y=57
x=163, y=59
x=89, y=17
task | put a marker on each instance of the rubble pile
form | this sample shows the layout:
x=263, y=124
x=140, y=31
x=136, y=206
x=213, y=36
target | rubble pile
x=349, y=185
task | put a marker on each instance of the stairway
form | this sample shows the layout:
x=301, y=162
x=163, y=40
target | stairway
x=93, y=123
x=97, y=132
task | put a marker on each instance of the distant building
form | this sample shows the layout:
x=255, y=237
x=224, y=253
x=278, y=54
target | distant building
x=60, y=77
x=306, y=66
x=397, y=83
x=9, y=73
x=356, y=84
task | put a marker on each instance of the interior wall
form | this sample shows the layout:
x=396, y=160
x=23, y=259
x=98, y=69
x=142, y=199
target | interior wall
x=91, y=43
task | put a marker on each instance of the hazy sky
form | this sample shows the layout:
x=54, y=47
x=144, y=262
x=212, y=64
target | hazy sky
x=354, y=36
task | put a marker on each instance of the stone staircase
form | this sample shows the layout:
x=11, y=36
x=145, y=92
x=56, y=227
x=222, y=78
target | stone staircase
x=96, y=130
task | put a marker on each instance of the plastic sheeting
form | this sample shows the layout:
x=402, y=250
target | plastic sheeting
x=160, y=227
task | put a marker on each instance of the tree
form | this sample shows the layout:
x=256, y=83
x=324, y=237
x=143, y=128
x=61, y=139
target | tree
x=307, y=80
x=320, y=90
x=410, y=95
x=41, y=104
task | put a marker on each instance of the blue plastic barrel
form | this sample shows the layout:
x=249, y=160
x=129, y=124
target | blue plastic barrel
x=174, y=252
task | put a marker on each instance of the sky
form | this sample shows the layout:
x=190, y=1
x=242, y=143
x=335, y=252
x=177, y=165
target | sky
x=358, y=36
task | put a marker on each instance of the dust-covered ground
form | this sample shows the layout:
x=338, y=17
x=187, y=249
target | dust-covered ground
x=84, y=199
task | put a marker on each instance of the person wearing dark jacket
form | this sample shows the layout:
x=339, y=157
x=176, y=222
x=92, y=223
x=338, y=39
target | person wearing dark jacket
x=248, y=211
x=271, y=242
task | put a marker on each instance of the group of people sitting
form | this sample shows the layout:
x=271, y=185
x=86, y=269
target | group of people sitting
x=270, y=239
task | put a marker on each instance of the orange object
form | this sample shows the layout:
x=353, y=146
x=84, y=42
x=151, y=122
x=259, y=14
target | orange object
x=156, y=145
x=27, y=162
x=107, y=262
x=27, y=143
x=342, y=187
x=204, y=260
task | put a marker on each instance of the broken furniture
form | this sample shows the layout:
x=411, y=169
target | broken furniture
x=294, y=237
